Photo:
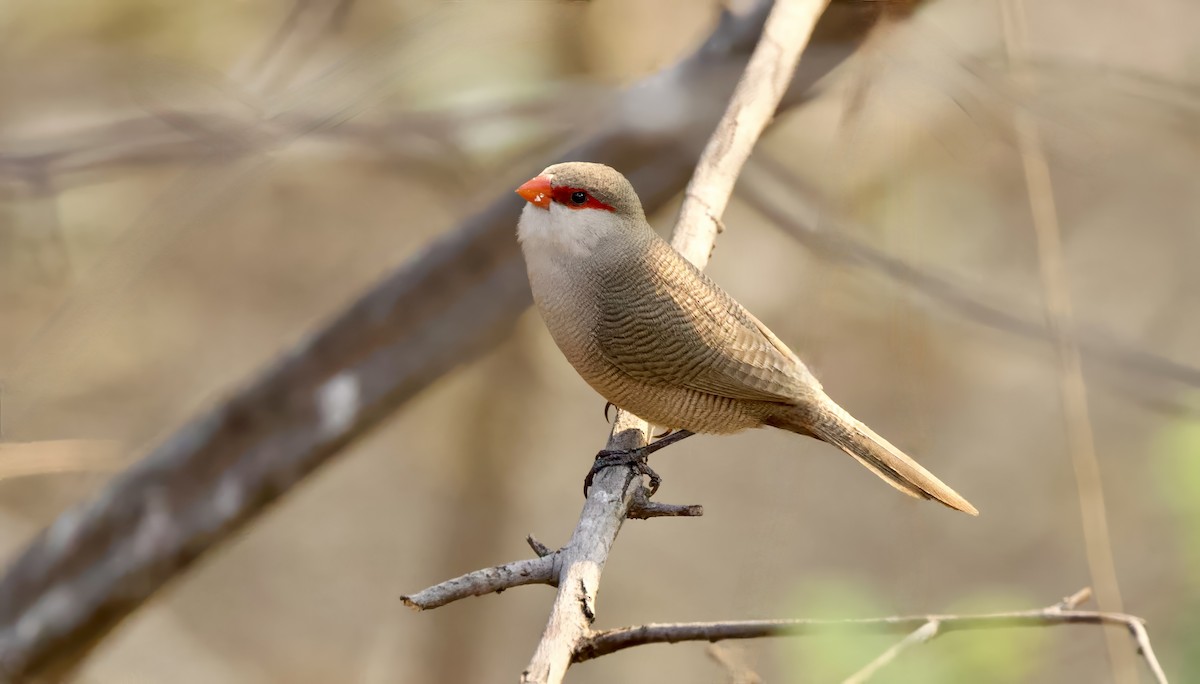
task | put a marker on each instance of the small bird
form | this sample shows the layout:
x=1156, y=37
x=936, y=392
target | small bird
x=655, y=336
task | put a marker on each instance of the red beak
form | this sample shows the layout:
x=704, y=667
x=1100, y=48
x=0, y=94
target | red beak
x=536, y=191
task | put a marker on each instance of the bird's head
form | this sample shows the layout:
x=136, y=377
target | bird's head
x=576, y=205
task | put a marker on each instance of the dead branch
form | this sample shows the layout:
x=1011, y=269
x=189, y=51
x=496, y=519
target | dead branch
x=613, y=640
x=540, y=570
x=548, y=566
x=100, y=561
x=785, y=34
x=642, y=508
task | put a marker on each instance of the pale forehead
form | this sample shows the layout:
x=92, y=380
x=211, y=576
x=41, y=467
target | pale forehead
x=585, y=174
x=603, y=182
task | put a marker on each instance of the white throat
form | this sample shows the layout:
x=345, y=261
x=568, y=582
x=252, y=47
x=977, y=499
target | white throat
x=561, y=233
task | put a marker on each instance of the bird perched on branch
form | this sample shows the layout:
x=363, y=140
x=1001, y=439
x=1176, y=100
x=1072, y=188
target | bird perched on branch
x=655, y=336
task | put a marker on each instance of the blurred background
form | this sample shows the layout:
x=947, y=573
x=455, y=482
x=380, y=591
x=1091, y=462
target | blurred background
x=163, y=244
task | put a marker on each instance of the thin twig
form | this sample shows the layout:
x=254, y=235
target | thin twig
x=920, y=635
x=786, y=31
x=539, y=548
x=643, y=508
x=540, y=570
x=306, y=24
x=613, y=640
x=733, y=663
x=1144, y=649
x=550, y=567
x=1072, y=386
x=931, y=629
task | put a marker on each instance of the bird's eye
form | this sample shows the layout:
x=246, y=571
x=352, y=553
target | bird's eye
x=578, y=197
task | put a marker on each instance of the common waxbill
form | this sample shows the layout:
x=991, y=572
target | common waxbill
x=655, y=336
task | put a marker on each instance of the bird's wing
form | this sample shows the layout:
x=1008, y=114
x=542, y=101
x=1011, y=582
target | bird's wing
x=665, y=321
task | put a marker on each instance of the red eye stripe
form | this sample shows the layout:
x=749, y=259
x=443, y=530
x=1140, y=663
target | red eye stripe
x=563, y=197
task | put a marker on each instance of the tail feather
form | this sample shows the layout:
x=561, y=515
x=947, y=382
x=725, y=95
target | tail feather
x=830, y=423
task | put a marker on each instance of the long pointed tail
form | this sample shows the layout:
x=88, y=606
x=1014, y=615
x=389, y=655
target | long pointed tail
x=831, y=423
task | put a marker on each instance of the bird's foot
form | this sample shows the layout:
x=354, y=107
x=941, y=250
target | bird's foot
x=635, y=458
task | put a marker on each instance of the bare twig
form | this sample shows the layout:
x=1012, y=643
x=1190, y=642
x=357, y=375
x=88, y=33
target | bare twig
x=917, y=627
x=306, y=24
x=931, y=629
x=920, y=635
x=610, y=641
x=733, y=663
x=1138, y=629
x=539, y=548
x=74, y=158
x=754, y=101
x=550, y=567
x=1072, y=386
x=540, y=570
x=99, y=562
x=642, y=508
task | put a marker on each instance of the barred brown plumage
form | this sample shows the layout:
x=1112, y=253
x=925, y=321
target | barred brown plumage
x=655, y=336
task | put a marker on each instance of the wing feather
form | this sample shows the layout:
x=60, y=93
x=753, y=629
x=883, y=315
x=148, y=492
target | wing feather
x=667, y=322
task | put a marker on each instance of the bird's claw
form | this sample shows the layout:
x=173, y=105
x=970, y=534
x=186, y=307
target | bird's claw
x=635, y=458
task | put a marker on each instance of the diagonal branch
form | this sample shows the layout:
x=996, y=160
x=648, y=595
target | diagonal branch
x=785, y=34
x=955, y=296
x=99, y=562
x=300, y=32
x=754, y=101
